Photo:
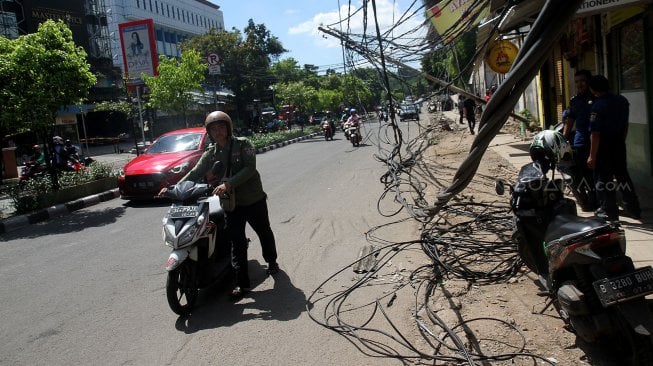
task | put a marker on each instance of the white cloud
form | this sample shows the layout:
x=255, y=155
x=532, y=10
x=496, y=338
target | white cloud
x=387, y=16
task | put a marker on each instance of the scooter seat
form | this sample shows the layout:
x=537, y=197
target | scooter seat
x=216, y=213
x=564, y=225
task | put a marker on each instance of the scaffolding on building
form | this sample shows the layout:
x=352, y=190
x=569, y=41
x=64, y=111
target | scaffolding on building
x=12, y=19
x=99, y=45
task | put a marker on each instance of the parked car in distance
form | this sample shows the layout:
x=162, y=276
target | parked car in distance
x=408, y=111
x=162, y=164
x=318, y=117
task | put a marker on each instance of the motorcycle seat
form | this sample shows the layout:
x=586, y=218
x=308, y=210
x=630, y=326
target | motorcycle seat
x=216, y=213
x=566, y=225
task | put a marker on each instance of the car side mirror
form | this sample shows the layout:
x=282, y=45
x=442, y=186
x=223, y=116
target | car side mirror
x=499, y=187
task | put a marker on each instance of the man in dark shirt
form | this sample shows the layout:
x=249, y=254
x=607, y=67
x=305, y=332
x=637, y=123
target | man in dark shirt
x=608, y=126
x=461, y=109
x=578, y=116
x=469, y=105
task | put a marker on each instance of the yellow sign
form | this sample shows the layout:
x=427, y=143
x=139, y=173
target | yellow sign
x=451, y=18
x=501, y=55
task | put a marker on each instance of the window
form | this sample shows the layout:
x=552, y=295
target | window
x=150, y=5
x=138, y=4
x=178, y=14
x=8, y=19
x=156, y=6
x=168, y=9
x=631, y=56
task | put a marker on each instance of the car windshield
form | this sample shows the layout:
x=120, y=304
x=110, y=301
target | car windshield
x=176, y=143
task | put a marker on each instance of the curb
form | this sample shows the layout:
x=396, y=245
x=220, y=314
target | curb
x=20, y=221
x=17, y=222
x=285, y=143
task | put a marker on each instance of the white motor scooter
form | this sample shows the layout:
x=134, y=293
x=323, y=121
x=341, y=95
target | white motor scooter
x=194, y=227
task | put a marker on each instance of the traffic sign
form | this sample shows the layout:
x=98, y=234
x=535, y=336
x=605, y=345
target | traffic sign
x=213, y=59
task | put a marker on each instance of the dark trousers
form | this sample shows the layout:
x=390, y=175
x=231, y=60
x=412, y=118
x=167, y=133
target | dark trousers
x=471, y=122
x=612, y=176
x=256, y=215
x=583, y=179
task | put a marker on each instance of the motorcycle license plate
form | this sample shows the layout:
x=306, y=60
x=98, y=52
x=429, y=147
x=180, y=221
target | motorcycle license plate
x=183, y=211
x=622, y=288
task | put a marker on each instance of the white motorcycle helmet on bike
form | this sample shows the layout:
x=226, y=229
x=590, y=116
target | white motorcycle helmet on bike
x=550, y=149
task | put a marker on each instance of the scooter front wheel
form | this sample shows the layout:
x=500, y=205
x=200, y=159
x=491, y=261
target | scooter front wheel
x=181, y=290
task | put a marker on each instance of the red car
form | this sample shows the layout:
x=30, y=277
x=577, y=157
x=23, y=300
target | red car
x=163, y=163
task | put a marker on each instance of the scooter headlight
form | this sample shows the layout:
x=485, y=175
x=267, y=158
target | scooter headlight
x=188, y=235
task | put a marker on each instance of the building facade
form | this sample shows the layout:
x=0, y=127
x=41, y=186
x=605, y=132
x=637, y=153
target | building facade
x=174, y=22
x=94, y=25
x=611, y=38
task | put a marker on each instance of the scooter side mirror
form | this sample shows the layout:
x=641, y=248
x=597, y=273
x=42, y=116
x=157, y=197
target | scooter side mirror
x=499, y=187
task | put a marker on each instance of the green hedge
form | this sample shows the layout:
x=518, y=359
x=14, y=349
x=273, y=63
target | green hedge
x=37, y=193
x=261, y=140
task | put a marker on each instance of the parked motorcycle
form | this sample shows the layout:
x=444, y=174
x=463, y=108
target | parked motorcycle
x=581, y=261
x=31, y=170
x=194, y=227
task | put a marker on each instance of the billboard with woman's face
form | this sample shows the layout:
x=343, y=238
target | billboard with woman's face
x=138, y=49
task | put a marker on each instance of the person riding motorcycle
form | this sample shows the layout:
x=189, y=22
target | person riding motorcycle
x=241, y=176
x=328, y=122
x=39, y=157
x=36, y=164
x=60, y=154
x=353, y=120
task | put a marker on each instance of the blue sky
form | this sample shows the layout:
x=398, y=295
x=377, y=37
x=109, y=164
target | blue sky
x=295, y=23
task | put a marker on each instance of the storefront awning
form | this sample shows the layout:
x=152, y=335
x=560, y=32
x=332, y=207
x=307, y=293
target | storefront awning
x=517, y=15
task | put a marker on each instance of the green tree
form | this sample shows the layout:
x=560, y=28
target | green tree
x=329, y=99
x=246, y=59
x=302, y=96
x=357, y=92
x=171, y=91
x=40, y=73
x=286, y=70
x=453, y=62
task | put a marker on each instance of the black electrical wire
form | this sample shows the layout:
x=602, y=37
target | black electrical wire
x=467, y=241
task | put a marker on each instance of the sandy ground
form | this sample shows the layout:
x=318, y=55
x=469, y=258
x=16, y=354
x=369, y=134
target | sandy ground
x=479, y=303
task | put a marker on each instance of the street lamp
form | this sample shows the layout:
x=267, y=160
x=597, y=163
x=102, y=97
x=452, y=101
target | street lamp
x=274, y=105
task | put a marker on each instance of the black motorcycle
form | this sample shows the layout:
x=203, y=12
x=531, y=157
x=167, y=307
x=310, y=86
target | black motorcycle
x=583, y=266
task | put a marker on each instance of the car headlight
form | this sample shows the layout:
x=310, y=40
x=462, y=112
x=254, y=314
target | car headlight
x=180, y=168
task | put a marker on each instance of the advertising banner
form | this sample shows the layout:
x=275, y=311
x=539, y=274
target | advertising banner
x=138, y=50
x=451, y=18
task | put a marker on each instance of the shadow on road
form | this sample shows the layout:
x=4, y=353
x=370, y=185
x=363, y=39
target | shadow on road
x=73, y=222
x=283, y=302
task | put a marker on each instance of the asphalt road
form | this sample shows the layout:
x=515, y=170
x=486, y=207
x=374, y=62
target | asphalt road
x=88, y=288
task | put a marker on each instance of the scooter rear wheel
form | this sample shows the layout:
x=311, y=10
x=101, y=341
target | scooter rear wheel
x=636, y=349
x=181, y=290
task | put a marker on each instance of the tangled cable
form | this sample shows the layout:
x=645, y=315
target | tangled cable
x=465, y=242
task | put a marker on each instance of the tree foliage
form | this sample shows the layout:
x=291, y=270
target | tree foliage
x=245, y=59
x=171, y=91
x=40, y=73
x=453, y=62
